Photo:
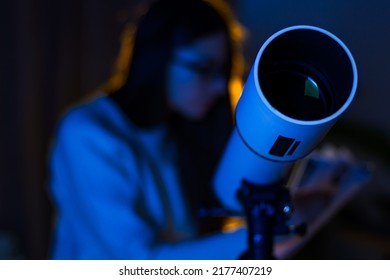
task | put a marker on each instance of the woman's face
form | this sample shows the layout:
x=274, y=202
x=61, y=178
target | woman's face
x=197, y=76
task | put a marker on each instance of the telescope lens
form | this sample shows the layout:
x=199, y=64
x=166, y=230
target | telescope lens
x=297, y=94
x=311, y=88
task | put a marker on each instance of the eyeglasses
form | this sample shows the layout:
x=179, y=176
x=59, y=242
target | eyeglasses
x=206, y=70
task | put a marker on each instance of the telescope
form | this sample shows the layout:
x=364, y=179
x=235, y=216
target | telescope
x=302, y=80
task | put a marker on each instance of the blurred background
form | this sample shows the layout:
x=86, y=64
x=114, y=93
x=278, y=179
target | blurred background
x=53, y=53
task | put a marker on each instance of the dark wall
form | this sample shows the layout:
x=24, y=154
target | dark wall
x=52, y=54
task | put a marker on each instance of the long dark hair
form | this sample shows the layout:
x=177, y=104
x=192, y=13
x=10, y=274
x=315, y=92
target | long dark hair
x=167, y=25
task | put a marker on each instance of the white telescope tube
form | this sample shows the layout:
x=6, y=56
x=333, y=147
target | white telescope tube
x=301, y=82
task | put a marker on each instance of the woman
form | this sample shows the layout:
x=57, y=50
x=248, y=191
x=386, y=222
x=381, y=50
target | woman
x=131, y=169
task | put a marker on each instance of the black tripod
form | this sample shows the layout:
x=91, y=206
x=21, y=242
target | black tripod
x=267, y=210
